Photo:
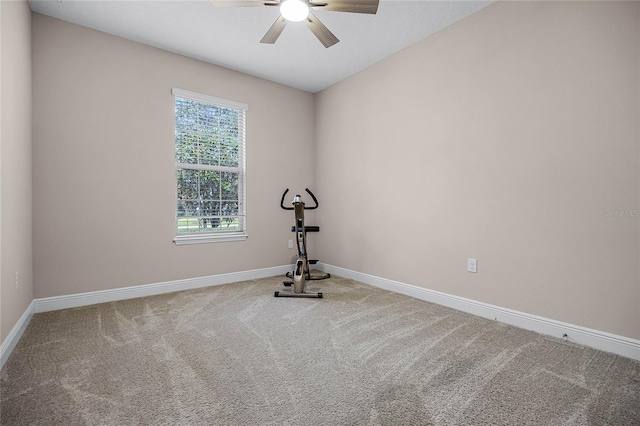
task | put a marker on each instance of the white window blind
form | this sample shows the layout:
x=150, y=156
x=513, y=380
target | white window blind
x=210, y=139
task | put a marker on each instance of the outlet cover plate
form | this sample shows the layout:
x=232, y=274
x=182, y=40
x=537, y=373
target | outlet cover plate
x=472, y=265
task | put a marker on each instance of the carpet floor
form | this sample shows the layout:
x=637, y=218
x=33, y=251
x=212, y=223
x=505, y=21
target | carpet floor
x=235, y=355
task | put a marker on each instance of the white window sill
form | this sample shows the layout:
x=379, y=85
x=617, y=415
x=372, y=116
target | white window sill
x=204, y=239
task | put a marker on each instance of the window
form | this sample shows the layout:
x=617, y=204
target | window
x=210, y=168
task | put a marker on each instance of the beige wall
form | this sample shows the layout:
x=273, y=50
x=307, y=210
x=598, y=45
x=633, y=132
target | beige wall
x=104, y=162
x=15, y=171
x=505, y=138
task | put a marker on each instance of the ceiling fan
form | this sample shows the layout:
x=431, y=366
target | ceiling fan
x=300, y=10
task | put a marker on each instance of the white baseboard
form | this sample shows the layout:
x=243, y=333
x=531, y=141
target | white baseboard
x=15, y=334
x=601, y=340
x=608, y=342
x=91, y=298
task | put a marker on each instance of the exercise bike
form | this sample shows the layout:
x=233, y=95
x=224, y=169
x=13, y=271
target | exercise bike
x=301, y=272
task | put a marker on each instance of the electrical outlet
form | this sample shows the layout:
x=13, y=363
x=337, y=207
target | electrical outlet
x=290, y=244
x=472, y=265
x=16, y=281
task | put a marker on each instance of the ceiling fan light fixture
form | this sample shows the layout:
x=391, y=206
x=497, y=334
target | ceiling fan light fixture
x=294, y=10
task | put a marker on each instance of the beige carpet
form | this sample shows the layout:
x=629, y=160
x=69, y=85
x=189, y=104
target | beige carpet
x=235, y=355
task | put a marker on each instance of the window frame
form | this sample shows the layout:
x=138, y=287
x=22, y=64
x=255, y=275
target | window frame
x=221, y=236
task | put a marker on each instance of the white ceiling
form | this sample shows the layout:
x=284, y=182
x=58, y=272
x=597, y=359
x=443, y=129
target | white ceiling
x=230, y=37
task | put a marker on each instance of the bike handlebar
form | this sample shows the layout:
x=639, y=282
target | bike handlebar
x=315, y=200
x=282, y=201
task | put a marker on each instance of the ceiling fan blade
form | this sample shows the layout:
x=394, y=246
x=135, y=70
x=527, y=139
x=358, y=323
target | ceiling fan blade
x=325, y=36
x=353, y=6
x=274, y=32
x=243, y=3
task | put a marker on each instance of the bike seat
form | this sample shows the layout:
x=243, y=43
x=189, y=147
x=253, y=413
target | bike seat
x=306, y=229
